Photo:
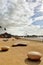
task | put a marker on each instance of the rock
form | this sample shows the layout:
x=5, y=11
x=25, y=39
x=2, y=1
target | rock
x=5, y=39
x=19, y=44
x=5, y=48
x=34, y=55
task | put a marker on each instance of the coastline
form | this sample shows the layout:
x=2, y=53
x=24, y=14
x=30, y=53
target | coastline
x=33, y=38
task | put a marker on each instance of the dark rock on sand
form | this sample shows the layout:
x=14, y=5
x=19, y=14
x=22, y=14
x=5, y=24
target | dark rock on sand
x=19, y=44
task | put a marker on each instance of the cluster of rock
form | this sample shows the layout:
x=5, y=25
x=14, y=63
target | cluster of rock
x=32, y=55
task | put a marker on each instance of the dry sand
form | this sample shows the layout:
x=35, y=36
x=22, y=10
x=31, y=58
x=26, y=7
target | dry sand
x=18, y=55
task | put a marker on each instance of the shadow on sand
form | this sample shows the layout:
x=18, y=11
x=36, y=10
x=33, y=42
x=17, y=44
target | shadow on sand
x=3, y=50
x=32, y=62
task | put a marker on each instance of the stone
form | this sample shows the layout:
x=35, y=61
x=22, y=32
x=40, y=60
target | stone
x=33, y=55
x=5, y=48
x=6, y=39
x=19, y=44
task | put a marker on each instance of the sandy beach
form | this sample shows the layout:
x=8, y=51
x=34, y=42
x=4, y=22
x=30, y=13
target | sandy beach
x=18, y=55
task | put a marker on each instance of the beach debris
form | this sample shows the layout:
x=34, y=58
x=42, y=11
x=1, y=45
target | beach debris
x=33, y=55
x=5, y=48
x=19, y=44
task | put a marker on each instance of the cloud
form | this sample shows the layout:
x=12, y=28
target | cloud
x=17, y=12
x=34, y=30
x=18, y=15
x=38, y=14
x=26, y=30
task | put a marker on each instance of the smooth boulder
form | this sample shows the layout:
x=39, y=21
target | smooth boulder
x=34, y=55
x=19, y=44
x=5, y=48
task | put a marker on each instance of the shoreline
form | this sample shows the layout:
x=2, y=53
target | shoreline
x=34, y=39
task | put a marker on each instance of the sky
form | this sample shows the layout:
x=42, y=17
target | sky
x=21, y=17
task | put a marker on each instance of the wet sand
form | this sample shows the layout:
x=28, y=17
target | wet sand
x=18, y=55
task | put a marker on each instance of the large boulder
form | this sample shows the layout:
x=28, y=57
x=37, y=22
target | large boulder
x=5, y=48
x=32, y=55
x=19, y=44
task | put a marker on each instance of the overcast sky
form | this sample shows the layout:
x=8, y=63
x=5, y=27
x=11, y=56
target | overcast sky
x=22, y=17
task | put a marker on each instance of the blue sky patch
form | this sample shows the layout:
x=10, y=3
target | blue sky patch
x=39, y=22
